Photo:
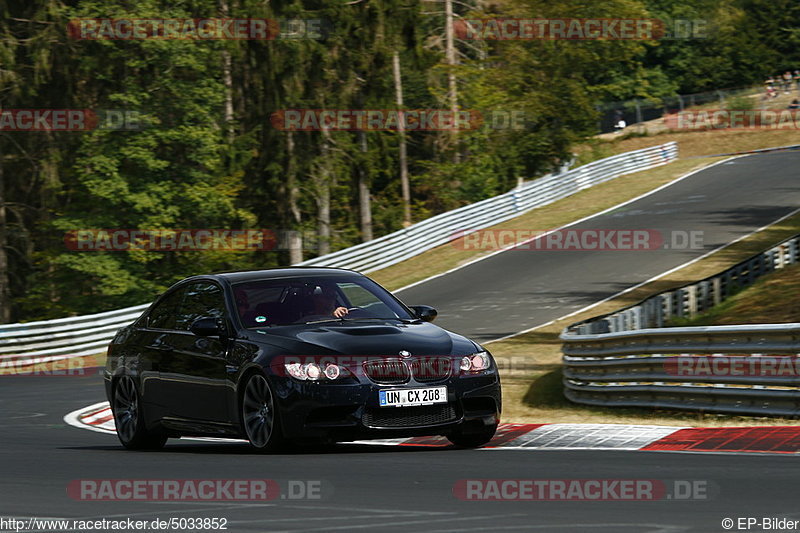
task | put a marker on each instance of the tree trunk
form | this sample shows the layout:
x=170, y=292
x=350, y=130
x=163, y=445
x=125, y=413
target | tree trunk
x=364, y=200
x=404, y=183
x=227, y=79
x=324, y=218
x=452, y=90
x=295, y=242
x=5, y=293
x=323, y=180
x=295, y=237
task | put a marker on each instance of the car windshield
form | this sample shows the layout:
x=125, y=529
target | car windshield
x=309, y=300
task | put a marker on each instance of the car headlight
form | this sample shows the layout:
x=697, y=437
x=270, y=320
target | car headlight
x=478, y=362
x=332, y=371
x=314, y=371
x=296, y=370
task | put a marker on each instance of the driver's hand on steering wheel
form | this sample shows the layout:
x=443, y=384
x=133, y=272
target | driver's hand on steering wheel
x=339, y=312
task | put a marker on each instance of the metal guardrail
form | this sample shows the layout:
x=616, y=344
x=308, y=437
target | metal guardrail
x=627, y=358
x=441, y=229
x=50, y=340
x=749, y=369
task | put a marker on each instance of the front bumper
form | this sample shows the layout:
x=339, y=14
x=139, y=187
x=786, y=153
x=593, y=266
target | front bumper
x=350, y=410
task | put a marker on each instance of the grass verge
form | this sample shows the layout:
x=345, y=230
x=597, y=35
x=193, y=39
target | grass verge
x=772, y=299
x=697, y=143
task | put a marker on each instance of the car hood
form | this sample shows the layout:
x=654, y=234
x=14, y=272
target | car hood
x=378, y=338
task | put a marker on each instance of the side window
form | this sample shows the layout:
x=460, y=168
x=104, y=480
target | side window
x=163, y=315
x=202, y=299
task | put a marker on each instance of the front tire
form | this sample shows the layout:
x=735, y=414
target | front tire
x=260, y=419
x=129, y=419
x=472, y=440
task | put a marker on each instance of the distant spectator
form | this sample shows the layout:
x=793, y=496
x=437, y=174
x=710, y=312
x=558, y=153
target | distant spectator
x=769, y=87
x=771, y=92
x=797, y=79
x=619, y=121
x=795, y=104
x=787, y=82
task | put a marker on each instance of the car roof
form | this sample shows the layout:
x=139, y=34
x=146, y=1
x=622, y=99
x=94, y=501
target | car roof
x=276, y=273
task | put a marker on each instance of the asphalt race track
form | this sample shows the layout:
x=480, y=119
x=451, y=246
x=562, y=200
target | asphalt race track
x=519, y=289
x=387, y=488
x=364, y=488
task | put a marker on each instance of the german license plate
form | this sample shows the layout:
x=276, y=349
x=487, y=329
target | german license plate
x=409, y=397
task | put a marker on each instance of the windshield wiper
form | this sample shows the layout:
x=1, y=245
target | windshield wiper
x=319, y=321
x=403, y=320
x=345, y=319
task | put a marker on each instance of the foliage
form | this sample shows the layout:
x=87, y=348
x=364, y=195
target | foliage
x=194, y=166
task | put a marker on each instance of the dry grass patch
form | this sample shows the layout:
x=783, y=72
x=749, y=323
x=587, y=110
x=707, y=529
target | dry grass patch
x=770, y=300
x=702, y=143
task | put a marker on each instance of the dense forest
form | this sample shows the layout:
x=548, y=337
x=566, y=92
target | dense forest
x=206, y=152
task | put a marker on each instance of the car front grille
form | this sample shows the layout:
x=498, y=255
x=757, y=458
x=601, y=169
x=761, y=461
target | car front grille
x=387, y=372
x=430, y=369
x=399, y=417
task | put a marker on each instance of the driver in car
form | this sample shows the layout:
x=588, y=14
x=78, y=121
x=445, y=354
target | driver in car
x=324, y=299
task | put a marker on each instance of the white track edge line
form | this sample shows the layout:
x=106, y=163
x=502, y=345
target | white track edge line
x=589, y=217
x=73, y=418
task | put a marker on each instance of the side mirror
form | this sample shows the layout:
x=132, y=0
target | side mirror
x=207, y=327
x=426, y=313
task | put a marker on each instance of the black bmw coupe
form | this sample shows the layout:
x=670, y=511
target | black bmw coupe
x=296, y=354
